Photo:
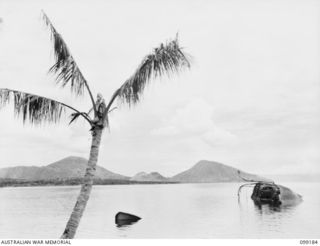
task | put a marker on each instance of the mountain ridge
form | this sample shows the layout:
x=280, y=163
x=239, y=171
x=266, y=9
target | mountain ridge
x=152, y=176
x=66, y=168
x=205, y=171
x=72, y=167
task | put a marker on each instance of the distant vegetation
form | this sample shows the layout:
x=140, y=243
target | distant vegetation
x=72, y=181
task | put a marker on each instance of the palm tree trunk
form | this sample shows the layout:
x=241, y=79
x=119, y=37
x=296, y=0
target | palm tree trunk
x=86, y=187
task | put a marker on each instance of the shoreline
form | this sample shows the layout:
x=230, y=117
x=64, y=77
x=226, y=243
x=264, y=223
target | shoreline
x=73, y=182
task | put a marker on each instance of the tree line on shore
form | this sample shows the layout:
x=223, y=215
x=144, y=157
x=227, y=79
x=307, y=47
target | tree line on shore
x=72, y=181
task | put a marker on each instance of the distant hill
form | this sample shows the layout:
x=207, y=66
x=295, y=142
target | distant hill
x=67, y=168
x=153, y=176
x=212, y=172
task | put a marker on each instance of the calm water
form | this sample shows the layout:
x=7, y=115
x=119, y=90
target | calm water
x=167, y=211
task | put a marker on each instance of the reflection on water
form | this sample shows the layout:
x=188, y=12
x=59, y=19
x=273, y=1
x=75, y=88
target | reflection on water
x=168, y=211
x=124, y=224
x=269, y=209
x=274, y=211
x=274, y=218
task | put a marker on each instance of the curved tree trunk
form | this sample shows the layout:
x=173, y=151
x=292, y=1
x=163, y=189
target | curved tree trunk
x=86, y=187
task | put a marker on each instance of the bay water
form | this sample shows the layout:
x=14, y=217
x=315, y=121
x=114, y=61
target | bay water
x=167, y=211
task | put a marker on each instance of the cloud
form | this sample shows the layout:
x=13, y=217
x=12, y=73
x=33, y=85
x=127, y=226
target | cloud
x=195, y=119
x=165, y=131
x=42, y=144
x=219, y=136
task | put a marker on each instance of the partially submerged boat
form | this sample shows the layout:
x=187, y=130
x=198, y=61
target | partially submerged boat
x=267, y=192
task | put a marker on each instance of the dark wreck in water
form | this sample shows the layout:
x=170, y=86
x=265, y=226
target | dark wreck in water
x=122, y=219
x=267, y=192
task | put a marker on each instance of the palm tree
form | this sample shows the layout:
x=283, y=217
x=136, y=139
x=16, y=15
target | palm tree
x=166, y=59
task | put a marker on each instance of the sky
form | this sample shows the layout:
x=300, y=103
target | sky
x=250, y=100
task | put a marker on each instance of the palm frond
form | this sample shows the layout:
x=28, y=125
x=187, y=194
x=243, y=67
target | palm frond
x=75, y=116
x=65, y=68
x=32, y=108
x=167, y=59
